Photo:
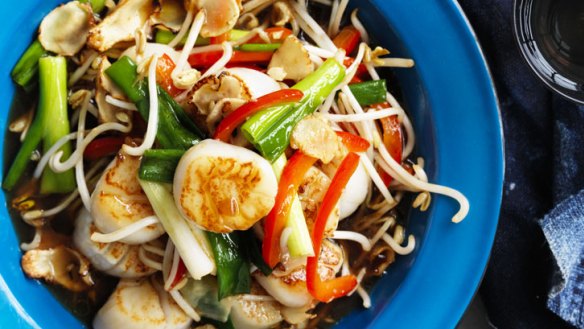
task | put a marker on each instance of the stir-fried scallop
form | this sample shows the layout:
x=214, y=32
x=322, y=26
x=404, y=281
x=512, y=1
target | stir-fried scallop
x=221, y=15
x=103, y=256
x=356, y=190
x=288, y=285
x=115, y=258
x=140, y=304
x=215, y=96
x=258, y=84
x=64, y=30
x=120, y=25
x=250, y=314
x=222, y=187
x=118, y=201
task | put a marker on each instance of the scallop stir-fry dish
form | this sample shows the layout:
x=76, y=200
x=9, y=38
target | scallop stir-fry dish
x=210, y=163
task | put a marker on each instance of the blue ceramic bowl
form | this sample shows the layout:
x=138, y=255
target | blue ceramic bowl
x=450, y=97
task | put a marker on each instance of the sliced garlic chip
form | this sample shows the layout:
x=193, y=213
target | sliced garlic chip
x=64, y=30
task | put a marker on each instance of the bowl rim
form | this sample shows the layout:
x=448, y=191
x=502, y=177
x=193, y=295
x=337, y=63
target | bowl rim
x=23, y=312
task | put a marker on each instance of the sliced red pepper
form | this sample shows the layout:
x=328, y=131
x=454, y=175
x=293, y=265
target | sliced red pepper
x=164, y=68
x=326, y=291
x=392, y=139
x=276, y=34
x=355, y=79
x=204, y=60
x=102, y=147
x=181, y=271
x=348, y=39
x=353, y=143
x=361, y=73
x=237, y=117
x=290, y=180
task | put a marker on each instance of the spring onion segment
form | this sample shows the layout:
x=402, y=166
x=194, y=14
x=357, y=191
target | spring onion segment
x=299, y=242
x=175, y=129
x=191, y=243
x=269, y=130
x=232, y=265
x=159, y=165
x=369, y=92
x=222, y=187
x=26, y=69
x=51, y=123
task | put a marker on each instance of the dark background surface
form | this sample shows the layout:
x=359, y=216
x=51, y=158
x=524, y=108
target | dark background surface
x=543, y=167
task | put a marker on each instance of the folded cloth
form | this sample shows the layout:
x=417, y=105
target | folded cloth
x=544, y=136
x=563, y=228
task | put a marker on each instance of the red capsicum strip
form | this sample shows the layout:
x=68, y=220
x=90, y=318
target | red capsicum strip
x=361, y=70
x=219, y=39
x=102, y=147
x=353, y=143
x=164, y=68
x=290, y=180
x=326, y=291
x=237, y=117
x=347, y=39
x=181, y=271
x=392, y=139
x=206, y=59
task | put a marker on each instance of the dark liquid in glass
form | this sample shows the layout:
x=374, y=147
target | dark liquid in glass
x=558, y=29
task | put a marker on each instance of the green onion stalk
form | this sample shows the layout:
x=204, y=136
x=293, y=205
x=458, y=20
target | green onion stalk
x=269, y=130
x=50, y=124
x=165, y=37
x=175, y=129
x=25, y=72
x=369, y=92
